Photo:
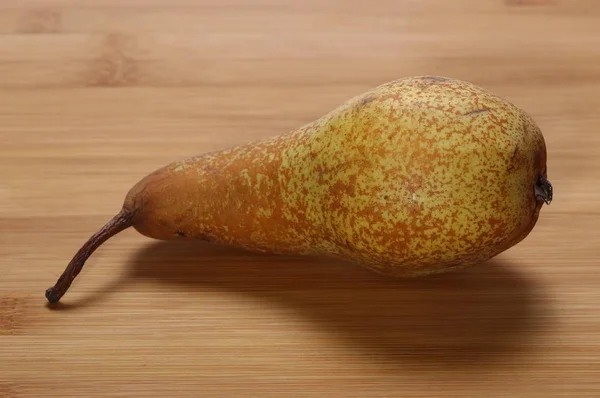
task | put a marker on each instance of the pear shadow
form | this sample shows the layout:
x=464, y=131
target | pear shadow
x=481, y=315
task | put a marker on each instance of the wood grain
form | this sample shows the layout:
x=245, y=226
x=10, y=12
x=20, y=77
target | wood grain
x=95, y=95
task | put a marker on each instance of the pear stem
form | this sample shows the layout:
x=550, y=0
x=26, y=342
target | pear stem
x=123, y=220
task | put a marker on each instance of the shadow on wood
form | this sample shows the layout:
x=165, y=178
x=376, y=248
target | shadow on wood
x=480, y=315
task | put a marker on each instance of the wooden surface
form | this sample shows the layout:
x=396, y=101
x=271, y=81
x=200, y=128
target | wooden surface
x=95, y=95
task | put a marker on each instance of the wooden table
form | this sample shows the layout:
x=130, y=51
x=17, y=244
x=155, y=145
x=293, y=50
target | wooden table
x=95, y=95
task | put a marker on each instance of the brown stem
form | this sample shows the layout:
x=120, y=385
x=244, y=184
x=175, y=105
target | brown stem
x=118, y=223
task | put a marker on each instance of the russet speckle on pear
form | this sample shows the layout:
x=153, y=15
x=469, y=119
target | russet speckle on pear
x=417, y=176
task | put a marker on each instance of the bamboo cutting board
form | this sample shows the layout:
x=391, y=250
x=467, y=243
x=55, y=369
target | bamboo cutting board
x=95, y=95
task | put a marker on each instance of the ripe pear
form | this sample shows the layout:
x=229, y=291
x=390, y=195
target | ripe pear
x=416, y=176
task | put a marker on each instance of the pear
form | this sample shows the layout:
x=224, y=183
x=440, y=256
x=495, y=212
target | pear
x=417, y=176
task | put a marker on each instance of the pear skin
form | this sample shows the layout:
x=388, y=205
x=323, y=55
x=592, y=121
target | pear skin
x=417, y=176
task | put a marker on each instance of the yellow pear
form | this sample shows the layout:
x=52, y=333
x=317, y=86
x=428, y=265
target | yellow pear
x=417, y=176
